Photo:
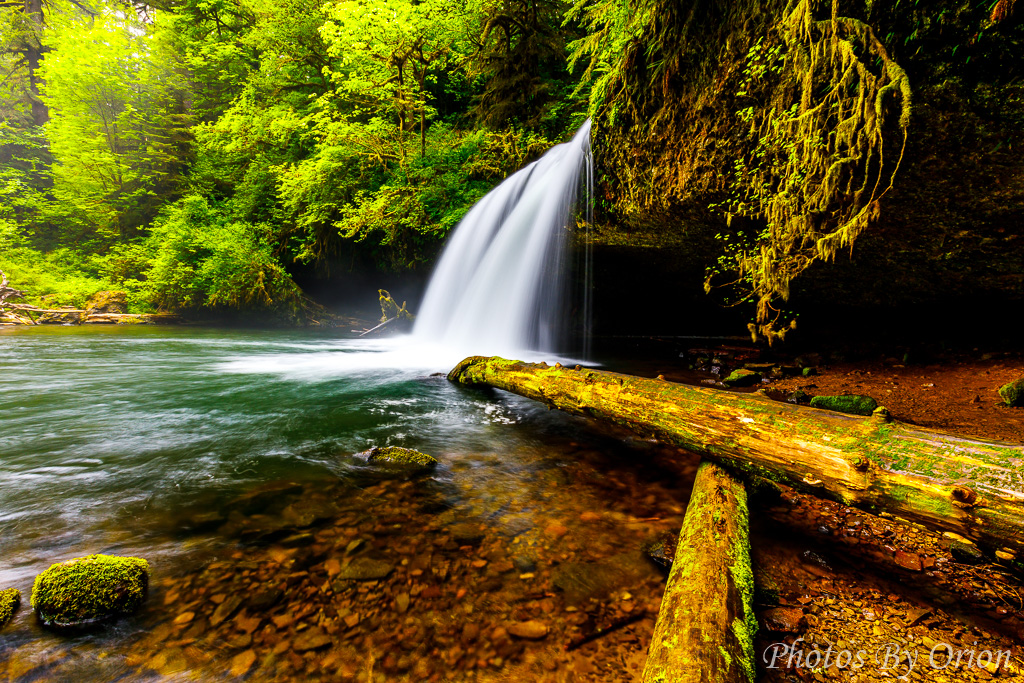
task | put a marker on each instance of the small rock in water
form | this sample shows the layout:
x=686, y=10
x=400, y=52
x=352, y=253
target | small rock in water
x=529, y=630
x=242, y=662
x=226, y=609
x=366, y=569
x=402, y=457
x=312, y=639
x=402, y=602
x=89, y=590
x=524, y=563
x=10, y=600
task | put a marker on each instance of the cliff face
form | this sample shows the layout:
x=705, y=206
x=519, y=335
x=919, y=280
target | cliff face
x=695, y=154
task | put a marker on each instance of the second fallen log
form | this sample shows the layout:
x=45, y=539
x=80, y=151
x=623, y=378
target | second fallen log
x=706, y=623
x=943, y=481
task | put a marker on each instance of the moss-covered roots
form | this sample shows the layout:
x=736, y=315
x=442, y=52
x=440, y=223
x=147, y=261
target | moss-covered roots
x=10, y=600
x=91, y=589
x=949, y=483
x=706, y=623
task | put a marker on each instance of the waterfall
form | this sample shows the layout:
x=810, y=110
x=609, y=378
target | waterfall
x=500, y=284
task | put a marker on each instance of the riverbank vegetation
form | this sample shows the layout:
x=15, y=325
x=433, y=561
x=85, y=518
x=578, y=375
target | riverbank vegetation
x=197, y=154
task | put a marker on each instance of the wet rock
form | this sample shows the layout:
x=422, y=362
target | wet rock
x=10, y=600
x=399, y=457
x=966, y=553
x=528, y=630
x=311, y=639
x=784, y=620
x=226, y=609
x=910, y=561
x=555, y=530
x=799, y=396
x=366, y=569
x=590, y=517
x=525, y=563
x=742, y=378
x=808, y=372
x=89, y=590
x=848, y=403
x=1013, y=393
x=466, y=534
x=581, y=581
x=661, y=552
x=402, y=602
x=265, y=599
x=242, y=662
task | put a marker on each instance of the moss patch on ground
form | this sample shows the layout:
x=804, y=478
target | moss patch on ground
x=1013, y=393
x=848, y=403
x=90, y=589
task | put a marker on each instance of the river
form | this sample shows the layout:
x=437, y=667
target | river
x=228, y=459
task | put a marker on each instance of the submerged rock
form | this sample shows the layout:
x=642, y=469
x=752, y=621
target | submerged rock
x=847, y=403
x=402, y=457
x=10, y=600
x=1013, y=393
x=89, y=590
x=742, y=378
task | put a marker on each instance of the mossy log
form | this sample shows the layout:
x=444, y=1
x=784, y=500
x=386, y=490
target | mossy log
x=706, y=623
x=948, y=483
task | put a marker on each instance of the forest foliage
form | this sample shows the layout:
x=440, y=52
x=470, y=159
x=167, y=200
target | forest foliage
x=192, y=152
x=195, y=152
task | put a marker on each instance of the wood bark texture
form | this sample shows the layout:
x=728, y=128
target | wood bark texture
x=705, y=628
x=945, y=482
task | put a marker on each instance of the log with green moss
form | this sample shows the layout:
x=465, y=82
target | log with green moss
x=946, y=482
x=706, y=623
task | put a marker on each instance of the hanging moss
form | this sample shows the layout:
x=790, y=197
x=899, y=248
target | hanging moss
x=788, y=116
x=88, y=590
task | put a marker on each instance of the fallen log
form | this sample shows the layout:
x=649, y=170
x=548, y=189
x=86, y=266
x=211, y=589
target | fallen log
x=706, y=623
x=945, y=482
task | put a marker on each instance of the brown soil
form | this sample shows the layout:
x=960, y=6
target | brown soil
x=957, y=395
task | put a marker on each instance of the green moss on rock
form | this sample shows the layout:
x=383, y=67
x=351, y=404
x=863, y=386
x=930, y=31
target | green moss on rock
x=88, y=590
x=394, y=455
x=10, y=600
x=1013, y=393
x=847, y=403
x=742, y=378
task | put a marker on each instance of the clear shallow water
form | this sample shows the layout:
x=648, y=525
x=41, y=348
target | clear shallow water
x=118, y=440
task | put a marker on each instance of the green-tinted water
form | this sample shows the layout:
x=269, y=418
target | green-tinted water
x=227, y=459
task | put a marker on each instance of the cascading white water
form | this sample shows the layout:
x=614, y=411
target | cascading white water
x=499, y=285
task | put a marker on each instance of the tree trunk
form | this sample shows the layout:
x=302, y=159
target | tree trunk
x=706, y=625
x=945, y=482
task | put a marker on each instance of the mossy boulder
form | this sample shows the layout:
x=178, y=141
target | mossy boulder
x=1013, y=393
x=89, y=590
x=742, y=378
x=107, y=302
x=847, y=403
x=10, y=600
x=400, y=457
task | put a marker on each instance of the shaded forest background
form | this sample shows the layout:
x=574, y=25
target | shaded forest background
x=235, y=156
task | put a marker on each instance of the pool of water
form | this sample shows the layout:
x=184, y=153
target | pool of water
x=229, y=459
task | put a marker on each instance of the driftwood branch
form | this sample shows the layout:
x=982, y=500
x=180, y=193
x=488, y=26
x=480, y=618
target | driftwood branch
x=945, y=482
x=706, y=623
